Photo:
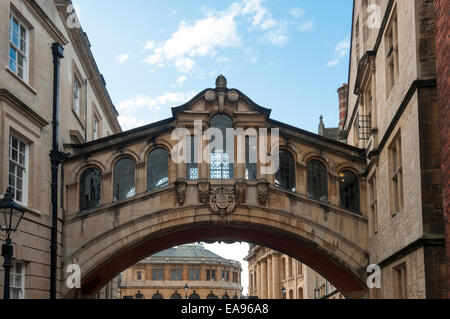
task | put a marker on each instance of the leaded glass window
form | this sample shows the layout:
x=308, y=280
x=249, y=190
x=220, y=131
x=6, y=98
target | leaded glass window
x=285, y=176
x=192, y=171
x=317, y=181
x=349, y=191
x=221, y=162
x=251, y=158
x=124, y=179
x=90, y=189
x=157, y=169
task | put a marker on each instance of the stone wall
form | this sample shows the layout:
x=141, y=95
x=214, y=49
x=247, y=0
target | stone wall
x=443, y=80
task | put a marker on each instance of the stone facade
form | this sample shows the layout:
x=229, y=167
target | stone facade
x=271, y=271
x=155, y=277
x=26, y=113
x=392, y=86
x=443, y=82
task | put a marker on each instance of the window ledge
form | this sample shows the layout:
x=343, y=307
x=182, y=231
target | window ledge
x=21, y=81
x=78, y=118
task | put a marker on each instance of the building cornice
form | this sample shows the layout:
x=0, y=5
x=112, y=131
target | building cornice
x=46, y=22
x=82, y=47
x=23, y=108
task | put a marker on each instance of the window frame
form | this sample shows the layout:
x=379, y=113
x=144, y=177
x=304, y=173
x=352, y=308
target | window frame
x=150, y=166
x=24, y=166
x=396, y=175
x=133, y=190
x=325, y=176
x=13, y=16
x=221, y=153
x=391, y=52
x=100, y=190
x=13, y=274
x=292, y=172
x=357, y=195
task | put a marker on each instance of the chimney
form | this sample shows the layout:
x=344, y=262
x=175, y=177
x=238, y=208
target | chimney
x=343, y=104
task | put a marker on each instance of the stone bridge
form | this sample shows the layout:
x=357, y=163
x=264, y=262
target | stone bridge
x=124, y=197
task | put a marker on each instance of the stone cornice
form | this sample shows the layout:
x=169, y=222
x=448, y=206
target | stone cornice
x=22, y=107
x=46, y=22
x=81, y=45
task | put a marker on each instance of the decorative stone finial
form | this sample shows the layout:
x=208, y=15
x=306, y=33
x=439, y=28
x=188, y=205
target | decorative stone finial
x=221, y=82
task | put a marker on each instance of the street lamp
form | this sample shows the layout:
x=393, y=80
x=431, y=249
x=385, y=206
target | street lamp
x=283, y=291
x=186, y=288
x=10, y=216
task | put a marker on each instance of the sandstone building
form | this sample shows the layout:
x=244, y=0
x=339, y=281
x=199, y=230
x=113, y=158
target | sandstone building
x=27, y=31
x=273, y=275
x=393, y=114
x=165, y=275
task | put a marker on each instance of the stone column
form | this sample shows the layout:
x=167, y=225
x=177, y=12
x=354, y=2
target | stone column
x=276, y=288
x=264, y=279
x=258, y=280
x=269, y=278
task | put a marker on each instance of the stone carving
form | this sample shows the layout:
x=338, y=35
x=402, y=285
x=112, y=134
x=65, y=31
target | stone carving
x=210, y=95
x=181, y=192
x=232, y=96
x=241, y=192
x=222, y=201
x=221, y=82
x=263, y=193
x=203, y=192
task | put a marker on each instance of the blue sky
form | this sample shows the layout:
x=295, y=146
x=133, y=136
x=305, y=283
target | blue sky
x=290, y=56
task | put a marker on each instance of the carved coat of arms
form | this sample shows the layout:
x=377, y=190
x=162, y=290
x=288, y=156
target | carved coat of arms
x=222, y=201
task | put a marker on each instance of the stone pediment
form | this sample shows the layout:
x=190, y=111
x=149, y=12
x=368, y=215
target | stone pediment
x=221, y=99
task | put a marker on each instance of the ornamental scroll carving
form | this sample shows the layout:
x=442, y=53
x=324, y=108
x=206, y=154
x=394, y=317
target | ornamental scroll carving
x=263, y=193
x=181, y=192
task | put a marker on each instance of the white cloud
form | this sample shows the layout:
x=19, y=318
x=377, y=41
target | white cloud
x=297, y=12
x=130, y=122
x=341, y=50
x=181, y=80
x=184, y=64
x=306, y=25
x=133, y=105
x=217, y=30
x=122, y=58
x=149, y=45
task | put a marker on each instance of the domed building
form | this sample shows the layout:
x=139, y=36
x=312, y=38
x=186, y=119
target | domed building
x=188, y=271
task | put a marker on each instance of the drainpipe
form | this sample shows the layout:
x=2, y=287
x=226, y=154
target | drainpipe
x=56, y=158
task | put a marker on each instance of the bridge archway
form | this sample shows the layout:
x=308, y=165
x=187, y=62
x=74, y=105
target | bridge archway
x=106, y=239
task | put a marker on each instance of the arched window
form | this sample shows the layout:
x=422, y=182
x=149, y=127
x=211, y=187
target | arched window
x=285, y=177
x=317, y=181
x=90, y=189
x=194, y=296
x=221, y=162
x=300, y=293
x=124, y=179
x=157, y=296
x=176, y=295
x=157, y=169
x=212, y=296
x=349, y=191
x=225, y=296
